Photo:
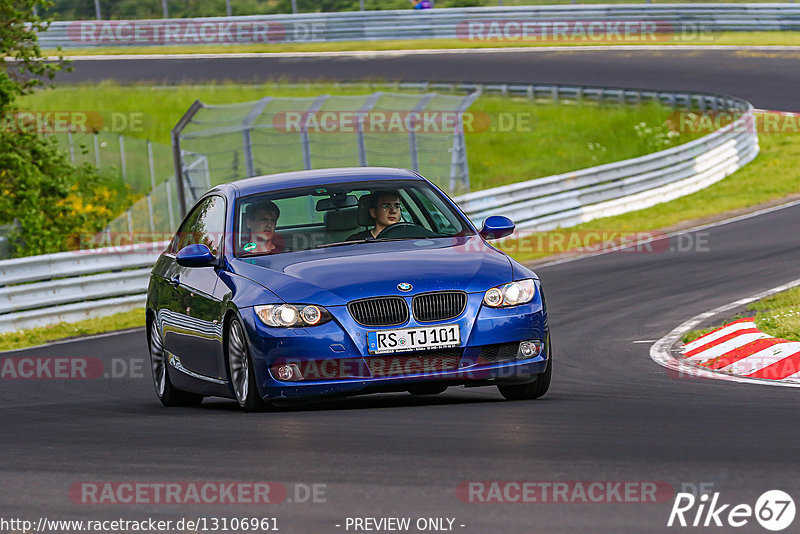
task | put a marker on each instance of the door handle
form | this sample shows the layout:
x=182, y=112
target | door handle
x=175, y=281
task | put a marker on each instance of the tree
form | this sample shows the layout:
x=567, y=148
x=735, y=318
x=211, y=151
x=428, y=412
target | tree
x=23, y=67
x=52, y=201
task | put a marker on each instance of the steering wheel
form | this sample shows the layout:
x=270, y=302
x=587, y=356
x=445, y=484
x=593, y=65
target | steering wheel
x=394, y=228
x=405, y=229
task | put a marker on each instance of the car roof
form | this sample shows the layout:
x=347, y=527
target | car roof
x=288, y=180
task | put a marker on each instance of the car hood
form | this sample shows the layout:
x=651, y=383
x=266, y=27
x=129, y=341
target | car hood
x=336, y=275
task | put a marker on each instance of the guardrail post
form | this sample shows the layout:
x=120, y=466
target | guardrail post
x=304, y=138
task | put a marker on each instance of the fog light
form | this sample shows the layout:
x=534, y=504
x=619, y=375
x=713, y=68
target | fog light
x=529, y=349
x=288, y=372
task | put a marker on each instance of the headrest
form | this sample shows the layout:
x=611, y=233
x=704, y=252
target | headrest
x=364, y=204
x=343, y=219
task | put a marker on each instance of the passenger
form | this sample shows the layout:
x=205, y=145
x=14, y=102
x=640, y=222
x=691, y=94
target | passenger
x=261, y=218
x=384, y=209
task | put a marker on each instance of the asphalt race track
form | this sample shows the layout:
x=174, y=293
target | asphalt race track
x=767, y=79
x=611, y=414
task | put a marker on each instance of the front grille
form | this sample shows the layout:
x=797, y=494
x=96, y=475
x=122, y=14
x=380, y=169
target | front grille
x=414, y=363
x=381, y=311
x=501, y=352
x=438, y=306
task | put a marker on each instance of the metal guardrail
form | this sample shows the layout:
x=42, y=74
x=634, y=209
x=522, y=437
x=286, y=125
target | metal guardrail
x=575, y=197
x=683, y=20
x=70, y=286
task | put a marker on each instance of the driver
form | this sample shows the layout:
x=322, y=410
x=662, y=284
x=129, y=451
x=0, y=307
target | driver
x=261, y=219
x=384, y=210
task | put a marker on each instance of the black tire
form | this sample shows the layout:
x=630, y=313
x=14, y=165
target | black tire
x=240, y=370
x=532, y=390
x=168, y=394
x=427, y=389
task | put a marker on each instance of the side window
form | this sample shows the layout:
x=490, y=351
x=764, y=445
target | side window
x=442, y=222
x=205, y=225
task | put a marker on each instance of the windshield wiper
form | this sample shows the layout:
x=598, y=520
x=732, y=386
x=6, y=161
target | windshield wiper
x=326, y=245
x=368, y=240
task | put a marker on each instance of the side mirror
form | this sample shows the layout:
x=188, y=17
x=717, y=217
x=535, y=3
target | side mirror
x=195, y=256
x=497, y=226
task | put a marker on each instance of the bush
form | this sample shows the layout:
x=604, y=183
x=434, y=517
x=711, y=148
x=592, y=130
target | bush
x=51, y=200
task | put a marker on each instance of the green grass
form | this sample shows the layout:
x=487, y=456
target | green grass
x=786, y=38
x=39, y=336
x=522, y=140
x=772, y=175
x=777, y=315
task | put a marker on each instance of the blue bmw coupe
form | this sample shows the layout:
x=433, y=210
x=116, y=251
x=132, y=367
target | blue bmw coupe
x=340, y=282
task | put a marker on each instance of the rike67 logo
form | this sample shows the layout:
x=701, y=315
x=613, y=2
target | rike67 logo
x=774, y=510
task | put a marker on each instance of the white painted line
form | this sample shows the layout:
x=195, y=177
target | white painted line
x=730, y=329
x=761, y=359
x=366, y=54
x=727, y=346
x=660, y=351
x=75, y=339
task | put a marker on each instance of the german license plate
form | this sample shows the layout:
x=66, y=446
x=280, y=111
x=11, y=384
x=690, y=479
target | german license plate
x=419, y=338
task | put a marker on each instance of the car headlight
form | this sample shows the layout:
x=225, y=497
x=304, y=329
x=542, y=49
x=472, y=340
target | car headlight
x=513, y=294
x=292, y=315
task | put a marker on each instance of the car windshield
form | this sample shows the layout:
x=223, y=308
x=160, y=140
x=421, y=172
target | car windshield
x=343, y=214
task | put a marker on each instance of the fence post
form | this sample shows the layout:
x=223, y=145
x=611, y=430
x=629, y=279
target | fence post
x=247, y=145
x=169, y=205
x=71, y=146
x=362, y=147
x=412, y=135
x=458, y=157
x=96, y=151
x=304, y=139
x=122, y=159
x=177, y=159
x=152, y=185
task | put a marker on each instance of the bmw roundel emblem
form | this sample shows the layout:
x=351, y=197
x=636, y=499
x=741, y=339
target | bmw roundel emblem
x=404, y=286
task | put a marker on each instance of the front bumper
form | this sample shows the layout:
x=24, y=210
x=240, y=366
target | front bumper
x=337, y=352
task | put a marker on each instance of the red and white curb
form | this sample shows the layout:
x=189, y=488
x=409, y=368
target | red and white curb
x=740, y=348
x=737, y=352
